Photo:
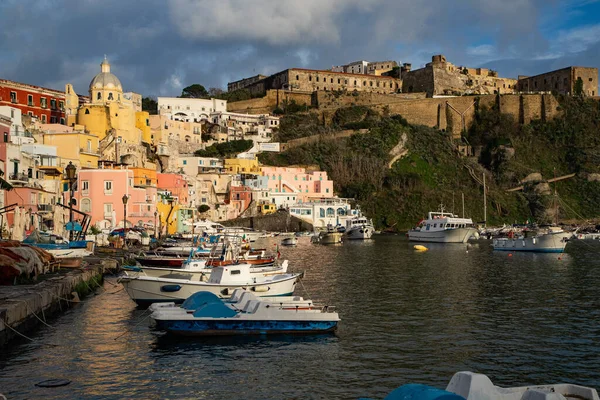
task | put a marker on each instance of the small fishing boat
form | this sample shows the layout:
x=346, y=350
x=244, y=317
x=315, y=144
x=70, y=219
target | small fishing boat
x=197, y=270
x=330, y=237
x=552, y=239
x=145, y=290
x=60, y=247
x=289, y=241
x=359, y=228
x=205, y=314
x=442, y=227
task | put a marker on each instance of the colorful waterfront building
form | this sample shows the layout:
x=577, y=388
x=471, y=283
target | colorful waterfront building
x=100, y=194
x=74, y=144
x=241, y=165
x=45, y=104
x=304, y=184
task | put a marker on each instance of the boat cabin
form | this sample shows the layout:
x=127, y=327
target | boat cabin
x=437, y=221
x=359, y=221
x=230, y=274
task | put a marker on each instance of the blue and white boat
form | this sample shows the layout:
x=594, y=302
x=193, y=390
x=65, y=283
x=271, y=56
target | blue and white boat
x=205, y=314
x=60, y=247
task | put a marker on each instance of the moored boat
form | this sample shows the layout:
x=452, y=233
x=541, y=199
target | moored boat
x=223, y=281
x=330, y=237
x=359, y=228
x=547, y=240
x=289, y=241
x=205, y=314
x=442, y=227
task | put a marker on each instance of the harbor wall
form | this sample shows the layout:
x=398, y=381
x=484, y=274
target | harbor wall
x=22, y=306
x=280, y=221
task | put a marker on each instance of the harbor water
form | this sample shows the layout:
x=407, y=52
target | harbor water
x=406, y=317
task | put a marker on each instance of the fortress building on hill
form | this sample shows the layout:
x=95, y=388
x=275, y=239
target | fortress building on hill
x=442, y=78
x=561, y=81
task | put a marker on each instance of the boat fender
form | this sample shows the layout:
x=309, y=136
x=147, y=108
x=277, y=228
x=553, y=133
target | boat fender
x=419, y=247
x=260, y=289
x=170, y=288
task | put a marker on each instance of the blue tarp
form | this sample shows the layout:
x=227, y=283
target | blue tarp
x=73, y=226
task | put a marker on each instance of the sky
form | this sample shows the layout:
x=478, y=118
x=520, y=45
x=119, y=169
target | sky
x=157, y=47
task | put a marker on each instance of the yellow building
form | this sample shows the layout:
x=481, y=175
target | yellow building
x=144, y=177
x=76, y=146
x=241, y=165
x=162, y=129
x=142, y=122
x=109, y=112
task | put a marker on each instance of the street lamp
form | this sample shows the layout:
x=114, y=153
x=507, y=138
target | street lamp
x=125, y=198
x=31, y=218
x=71, y=170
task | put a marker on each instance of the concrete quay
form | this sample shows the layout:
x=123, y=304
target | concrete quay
x=24, y=307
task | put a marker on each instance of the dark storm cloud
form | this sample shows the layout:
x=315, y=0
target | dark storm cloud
x=158, y=46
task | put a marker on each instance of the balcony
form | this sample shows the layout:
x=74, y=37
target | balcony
x=19, y=178
x=89, y=152
x=45, y=207
x=108, y=215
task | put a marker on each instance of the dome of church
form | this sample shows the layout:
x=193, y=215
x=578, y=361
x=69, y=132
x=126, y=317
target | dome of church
x=105, y=79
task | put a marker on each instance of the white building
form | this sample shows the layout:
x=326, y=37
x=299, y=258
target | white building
x=323, y=212
x=192, y=166
x=17, y=131
x=189, y=110
x=357, y=67
x=239, y=125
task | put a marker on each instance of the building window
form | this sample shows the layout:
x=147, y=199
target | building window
x=107, y=187
x=184, y=162
x=310, y=77
x=355, y=83
x=62, y=121
x=43, y=102
x=52, y=120
x=87, y=111
x=5, y=137
x=365, y=83
x=99, y=96
x=53, y=104
x=30, y=113
x=85, y=186
x=317, y=79
x=110, y=96
x=86, y=205
x=13, y=97
x=331, y=80
x=61, y=105
x=29, y=100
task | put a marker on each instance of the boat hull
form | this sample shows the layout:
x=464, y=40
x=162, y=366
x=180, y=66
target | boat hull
x=360, y=233
x=550, y=243
x=457, y=235
x=241, y=327
x=331, y=238
x=145, y=291
x=160, y=261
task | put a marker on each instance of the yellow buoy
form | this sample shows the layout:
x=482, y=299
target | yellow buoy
x=419, y=247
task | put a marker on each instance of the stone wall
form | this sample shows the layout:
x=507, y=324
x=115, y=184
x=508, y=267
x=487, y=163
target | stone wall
x=347, y=99
x=271, y=100
x=280, y=221
x=315, y=138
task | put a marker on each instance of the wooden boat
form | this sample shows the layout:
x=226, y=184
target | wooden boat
x=205, y=314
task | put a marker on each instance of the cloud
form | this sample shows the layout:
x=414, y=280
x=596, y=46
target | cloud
x=168, y=44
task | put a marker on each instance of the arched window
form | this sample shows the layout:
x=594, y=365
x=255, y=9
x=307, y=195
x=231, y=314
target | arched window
x=330, y=212
x=341, y=212
x=99, y=96
x=86, y=205
x=110, y=96
x=87, y=111
x=322, y=213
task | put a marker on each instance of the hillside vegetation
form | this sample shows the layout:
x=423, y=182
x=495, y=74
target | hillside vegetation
x=432, y=172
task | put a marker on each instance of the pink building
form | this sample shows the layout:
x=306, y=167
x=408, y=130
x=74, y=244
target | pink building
x=297, y=180
x=176, y=185
x=240, y=198
x=100, y=193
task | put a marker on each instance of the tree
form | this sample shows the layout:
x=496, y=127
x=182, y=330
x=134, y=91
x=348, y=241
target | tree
x=215, y=92
x=150, y=105
x=195, y=91
x=578, y=88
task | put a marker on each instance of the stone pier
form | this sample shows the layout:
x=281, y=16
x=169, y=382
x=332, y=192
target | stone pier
x=23, y=306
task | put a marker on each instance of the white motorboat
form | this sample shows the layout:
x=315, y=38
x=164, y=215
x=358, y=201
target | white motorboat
x=223, y=281
x=197, y=270
x=442, y=227
x=359, y=228
x=549, y=240
x=204, y=314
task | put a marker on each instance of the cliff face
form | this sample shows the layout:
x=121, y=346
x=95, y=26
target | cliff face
x=432, y=171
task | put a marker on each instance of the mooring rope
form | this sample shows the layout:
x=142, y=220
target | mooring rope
x=129, y=330
x=27, y=337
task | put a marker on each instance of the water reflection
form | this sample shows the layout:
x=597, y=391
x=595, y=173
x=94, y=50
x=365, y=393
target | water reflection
x=406, y=317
